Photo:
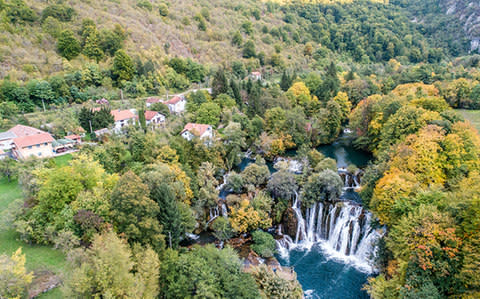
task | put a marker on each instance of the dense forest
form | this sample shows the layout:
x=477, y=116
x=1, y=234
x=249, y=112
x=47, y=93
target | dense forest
x=122, y=211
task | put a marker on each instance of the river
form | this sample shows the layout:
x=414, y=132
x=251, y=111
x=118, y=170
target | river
x=322, y=271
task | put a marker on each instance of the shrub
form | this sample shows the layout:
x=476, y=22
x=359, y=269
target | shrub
x=264, y=244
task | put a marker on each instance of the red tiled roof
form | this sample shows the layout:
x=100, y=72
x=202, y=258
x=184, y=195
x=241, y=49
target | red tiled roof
x=256, y=73
x=21, y=131
x=153, y=100
x=25, y=141
x=150, y=114
x=196, y=129
x=173, y=100
x=122, y=114
x=73, y=137
x=1, y=152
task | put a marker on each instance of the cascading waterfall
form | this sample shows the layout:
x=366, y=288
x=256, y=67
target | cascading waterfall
x=214, y=213
x=342, y=229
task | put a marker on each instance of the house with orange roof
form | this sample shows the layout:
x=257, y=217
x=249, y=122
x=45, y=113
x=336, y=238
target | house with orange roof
x=176, y=104
x=123, y=118
x=152, y=100
x=154, y=118
x=201, y=131
x=38, y=145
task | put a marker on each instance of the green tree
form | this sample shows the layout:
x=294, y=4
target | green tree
x=169, y=215
x=263, y=244
x=134, y=214
x=205, y=272
x=208, y=113
x=282, y=184
x=324, y=186
x=237, y=39
x=255, y=175
x=249, y=49
x=222, y=229
x=219, y=83
x=123, y=67
x=68, y=45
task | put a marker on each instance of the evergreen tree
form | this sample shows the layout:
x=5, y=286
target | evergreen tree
x=123, y=67
x=102, y=119
x=236, y=93
x=67, y=45
x=330, y=86
x=285, y=82
x=169, y=216
x=85, y=116
x=142, y=120
x=220, y=83
x=91, y=48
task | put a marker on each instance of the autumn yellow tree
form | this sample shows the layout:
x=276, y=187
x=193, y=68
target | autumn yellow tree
x=14, y=277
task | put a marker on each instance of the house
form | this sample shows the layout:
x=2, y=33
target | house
x=154, y=118
x=38, y=145
x=256, y=76
x=77, y=139
x=25, y=142
x=176, y=104
x=6, y=140
x=201, y=131
x=21, y=131
x=152, y=100
x=101, y=132
x=123, y=118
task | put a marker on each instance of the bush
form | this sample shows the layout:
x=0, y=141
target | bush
x=264, y=244
x=58, y=11
x=163, y=10
x=145, y=4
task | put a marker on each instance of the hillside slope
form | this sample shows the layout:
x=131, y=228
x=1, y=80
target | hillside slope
x=362, y=31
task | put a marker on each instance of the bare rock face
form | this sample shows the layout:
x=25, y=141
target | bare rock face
x=290, y=223
x=467, y=12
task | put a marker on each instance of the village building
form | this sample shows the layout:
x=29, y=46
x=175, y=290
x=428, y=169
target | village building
x=154, y=119
x=255, y=76
x=150, y=101
x=123, y=118
x=38, y=145
x=176, y=104
x=201, y=131
x=6, y=140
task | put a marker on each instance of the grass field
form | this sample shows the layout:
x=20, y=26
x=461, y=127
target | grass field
x=471, y=115
x=63, y=160
x=39, y=257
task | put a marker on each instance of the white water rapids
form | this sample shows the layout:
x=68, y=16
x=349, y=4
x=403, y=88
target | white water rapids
x=341, y=229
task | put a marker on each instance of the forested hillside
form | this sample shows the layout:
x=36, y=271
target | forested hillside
x=211, y=32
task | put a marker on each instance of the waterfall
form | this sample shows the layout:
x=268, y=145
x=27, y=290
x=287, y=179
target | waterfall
x=214, y=213
x=224, y=210
x=342, y=229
